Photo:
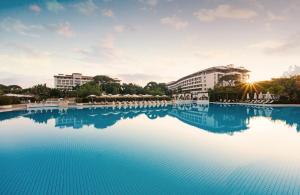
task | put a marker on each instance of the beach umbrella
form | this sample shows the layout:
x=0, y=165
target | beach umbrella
x=248, y=96
x=268, y=96
x=92, y=97
x=255, y=96
x=260, y=96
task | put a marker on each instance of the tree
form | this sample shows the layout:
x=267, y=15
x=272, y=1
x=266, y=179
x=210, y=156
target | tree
x=90, y=88
x=154, y=88
x=41, y=91
x=103, y=79
x=132, y=89
x=56, y=93
x=230, y=80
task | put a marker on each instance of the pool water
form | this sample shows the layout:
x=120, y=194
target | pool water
x=183, y=149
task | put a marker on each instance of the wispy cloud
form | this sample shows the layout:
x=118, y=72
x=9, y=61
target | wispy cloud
x=54, y=6
x=224, y=11
x=212, y=54
x=275, y=17
x=105, y=50
x=17, y=26
x=65, y=29
x=35, y=8
x=149, y=2
x=140, y=78
x=108, y=12
x=174, y=22
x=292, y=71
x=123, y=28
x=87, y=7
x=284, y=46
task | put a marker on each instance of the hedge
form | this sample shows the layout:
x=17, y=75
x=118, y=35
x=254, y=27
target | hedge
x=5, y=100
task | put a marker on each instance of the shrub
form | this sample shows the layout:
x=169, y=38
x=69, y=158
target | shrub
x=5, y=100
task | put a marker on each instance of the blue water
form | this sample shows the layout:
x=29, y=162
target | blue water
x=187, y=149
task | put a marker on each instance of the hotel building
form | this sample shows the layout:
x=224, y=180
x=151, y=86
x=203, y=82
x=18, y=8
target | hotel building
x=198, y=83
x=67, y=82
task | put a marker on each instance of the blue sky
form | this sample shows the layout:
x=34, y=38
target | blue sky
x=143, y=40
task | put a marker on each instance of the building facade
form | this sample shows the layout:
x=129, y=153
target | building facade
x=67, y=82
x=196, y=85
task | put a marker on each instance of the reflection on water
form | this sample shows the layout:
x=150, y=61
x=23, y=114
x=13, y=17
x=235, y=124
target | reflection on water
x=212, y=118
x=182, y=149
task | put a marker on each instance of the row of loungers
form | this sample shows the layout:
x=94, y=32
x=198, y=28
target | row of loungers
x=259, y=101
x=249, y=101
x=131, y=103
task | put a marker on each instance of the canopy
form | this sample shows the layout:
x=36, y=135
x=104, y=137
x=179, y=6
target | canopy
x=260, y=96
x=268, y=96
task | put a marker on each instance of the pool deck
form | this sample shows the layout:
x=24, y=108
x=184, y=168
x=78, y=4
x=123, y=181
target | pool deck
x=9, y=108
x=259, y=105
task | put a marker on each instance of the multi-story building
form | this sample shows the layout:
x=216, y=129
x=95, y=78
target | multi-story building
x=67, y=82
x=198, y=83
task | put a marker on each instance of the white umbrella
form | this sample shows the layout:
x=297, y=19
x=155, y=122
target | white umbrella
x=92, y=96
x=268, y=96
x=248, y=96
x=255, y=96
x=260, y=96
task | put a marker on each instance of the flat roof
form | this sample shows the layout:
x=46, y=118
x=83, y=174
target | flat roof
x=224, y=69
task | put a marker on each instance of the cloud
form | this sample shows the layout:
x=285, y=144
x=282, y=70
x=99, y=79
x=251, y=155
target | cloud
x=139, y=78
x=35, y=8
x=292, y=71
x=285, y=46
x=213, y=54
x=54, y=6
x=25, y=50
x=107, y=12
x=87, y=7
x=273, y=17
x=224, y=11
x=22, y=59
x=149, y=2
x=23, y=80
x=105, y=50
x=15, y=25
x=65, y=30
x=123, y=28
x=174, y=22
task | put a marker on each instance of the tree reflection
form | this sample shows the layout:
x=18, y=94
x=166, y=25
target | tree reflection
x=223, y=118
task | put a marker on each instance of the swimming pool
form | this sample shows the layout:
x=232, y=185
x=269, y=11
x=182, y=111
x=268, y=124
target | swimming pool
x=186, y=149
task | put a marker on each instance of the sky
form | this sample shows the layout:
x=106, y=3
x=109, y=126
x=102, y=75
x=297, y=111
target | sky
x=143, y=40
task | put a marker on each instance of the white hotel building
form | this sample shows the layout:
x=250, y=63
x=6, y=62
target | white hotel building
x=67, y=82
x=198, y=83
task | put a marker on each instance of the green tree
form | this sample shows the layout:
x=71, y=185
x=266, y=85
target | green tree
x=41, y=91
x=154, y=88
x=132, y=89
x=231, y=79
x=103, y=79
x=91, y=88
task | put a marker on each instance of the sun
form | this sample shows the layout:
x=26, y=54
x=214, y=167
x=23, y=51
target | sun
x=251, y=81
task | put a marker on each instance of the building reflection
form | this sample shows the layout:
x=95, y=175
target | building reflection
x=221, y=118
x=213, y=118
